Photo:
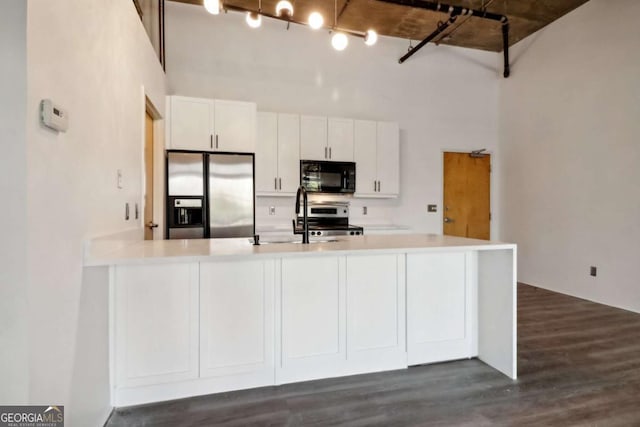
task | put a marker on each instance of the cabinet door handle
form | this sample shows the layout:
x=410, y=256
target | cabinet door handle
x=378, y=186
x=275, y=183
x=216, y=141
x=375, y=186
x=279, y=183
x=211, y=141
x=325, y=152
x=329, y=153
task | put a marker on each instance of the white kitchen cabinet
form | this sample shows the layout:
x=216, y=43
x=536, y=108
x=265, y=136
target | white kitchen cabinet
x=313, y=138
x=267, y=154
x=376, y=312
x=326, y=139
x=440, y=313
x=365, y=152
x=312, y=319
x=156, y=324
x=190, y=123
x=237, y=323
x=340, y=139
x=377, y=157
x=277, y=154
x=210, y=125
x=234, y=126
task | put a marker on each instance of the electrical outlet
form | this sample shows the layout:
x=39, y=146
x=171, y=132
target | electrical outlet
x=594, y=271
x=432, y=208
x=272, y=210
x=364, y=210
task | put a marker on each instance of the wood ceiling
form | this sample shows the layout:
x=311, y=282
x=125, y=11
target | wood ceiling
x=525, y=17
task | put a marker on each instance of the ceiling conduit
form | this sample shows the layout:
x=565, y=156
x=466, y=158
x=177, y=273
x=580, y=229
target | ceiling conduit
x=454, y=12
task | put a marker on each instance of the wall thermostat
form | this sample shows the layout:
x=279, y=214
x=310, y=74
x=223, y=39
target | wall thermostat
x=53, y=116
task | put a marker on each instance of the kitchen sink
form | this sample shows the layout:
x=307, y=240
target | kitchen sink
x=278, y=242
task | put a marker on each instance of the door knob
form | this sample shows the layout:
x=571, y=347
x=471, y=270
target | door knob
x=151, y=225
x=448, y=219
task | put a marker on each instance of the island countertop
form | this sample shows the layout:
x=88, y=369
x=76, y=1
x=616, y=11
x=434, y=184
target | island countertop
x=197, y=250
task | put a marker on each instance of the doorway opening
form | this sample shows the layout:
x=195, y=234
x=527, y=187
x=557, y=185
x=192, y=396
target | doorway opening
x=150, y=225
x=466, y=204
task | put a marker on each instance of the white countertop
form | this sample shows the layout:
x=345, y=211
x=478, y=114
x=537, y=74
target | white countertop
x=197, y=250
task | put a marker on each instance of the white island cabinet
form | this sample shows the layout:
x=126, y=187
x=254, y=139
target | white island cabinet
x=154, y=328
x=237, y=323
x=204, y=316
x=312, y=319
x=443, y=282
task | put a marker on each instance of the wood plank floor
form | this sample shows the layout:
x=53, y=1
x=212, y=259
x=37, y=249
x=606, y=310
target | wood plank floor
x=578, y=364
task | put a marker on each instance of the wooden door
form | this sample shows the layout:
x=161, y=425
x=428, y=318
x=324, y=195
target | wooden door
x=466, y=211
x=148, y=178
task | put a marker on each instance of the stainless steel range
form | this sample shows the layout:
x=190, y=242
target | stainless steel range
x=329, y=219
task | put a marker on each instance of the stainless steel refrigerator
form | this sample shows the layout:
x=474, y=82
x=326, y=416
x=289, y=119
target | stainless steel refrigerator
x=209, y=195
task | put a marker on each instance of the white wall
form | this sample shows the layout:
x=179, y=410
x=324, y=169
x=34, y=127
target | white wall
x=92, y=57
x=13, y=186
x=443, y=98
x=570, y=140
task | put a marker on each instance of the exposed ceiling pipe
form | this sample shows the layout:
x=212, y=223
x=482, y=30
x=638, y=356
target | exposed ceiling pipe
x=430, y=37
x=455, y=11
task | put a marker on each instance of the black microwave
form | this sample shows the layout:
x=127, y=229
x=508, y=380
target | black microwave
x=328, y=177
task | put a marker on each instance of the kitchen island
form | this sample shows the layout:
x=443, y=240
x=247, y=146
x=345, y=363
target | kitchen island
x=192, y=317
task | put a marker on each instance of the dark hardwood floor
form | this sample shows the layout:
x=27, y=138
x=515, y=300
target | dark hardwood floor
x=578, y=364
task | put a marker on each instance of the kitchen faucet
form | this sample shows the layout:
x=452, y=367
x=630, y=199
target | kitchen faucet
x=305, y=218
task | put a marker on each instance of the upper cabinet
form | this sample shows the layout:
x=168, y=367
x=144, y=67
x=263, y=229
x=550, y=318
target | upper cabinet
x=326, y=139
x=277, y=154
x=377, y=157
x=313, y=138
x=210, y=125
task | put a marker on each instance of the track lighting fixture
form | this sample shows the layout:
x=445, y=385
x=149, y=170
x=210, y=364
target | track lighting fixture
x=254, y=20
x=370, y=38
x=284, y=9
x=316, y=20
x=339, y=41
x=212, y=6
x=284, y=12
